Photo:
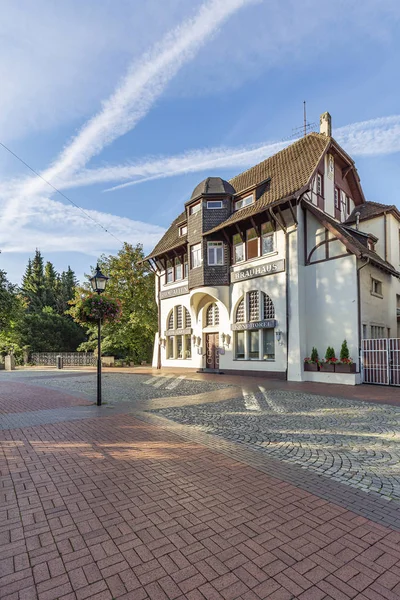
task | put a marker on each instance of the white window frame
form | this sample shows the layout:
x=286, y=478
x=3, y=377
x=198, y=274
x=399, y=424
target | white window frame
x=319, y=184
x=213, y=246
x=214, y=204
x=376, y=283
x=196, y=249
x=271, y=234
x=243, y=202
x=183, y=230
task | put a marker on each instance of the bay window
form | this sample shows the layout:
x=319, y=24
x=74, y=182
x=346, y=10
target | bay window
x=195, y=256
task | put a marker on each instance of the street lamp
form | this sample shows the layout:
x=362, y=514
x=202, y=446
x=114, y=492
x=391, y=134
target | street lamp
x=98, y=283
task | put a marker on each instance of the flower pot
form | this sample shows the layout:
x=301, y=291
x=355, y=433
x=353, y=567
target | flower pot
x=328, y=367
x=345, y=368
x=311, y=366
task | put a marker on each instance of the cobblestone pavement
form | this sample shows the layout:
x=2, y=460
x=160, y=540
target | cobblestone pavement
x=354, y=443
x=117, y=387
x=114, y=508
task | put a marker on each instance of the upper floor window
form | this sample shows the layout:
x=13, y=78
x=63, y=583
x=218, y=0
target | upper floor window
x=195, y=208
x=376, y=287
x=267, y=238
x=178, y=268
x=252, y=244
x=371, y=245
x=170, y=271
x=242, y=202
x=337, y=198
x=183, y=230
x=320, y=191
x=215, y=253
x=212, y=315
x=238, y=248
x=195, y=256
x=215, y=204
x=348, y=205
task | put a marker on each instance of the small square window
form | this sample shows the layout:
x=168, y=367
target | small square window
x=215, y=204
x=376, y=288
x=183, y=230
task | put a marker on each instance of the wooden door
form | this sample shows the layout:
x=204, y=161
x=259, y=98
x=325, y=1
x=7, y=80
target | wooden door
x=212, y=356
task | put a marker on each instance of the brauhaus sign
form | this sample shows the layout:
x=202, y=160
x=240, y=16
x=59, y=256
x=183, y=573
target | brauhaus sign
x=267, y=268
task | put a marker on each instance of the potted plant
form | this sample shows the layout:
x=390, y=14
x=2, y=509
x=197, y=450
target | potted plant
x=312, y=363
x=328, y=365
x=94, y=308
x=346, y=363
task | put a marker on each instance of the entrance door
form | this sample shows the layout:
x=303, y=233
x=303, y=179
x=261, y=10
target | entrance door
x=212, y=356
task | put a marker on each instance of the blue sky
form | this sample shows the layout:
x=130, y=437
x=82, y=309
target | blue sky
x=162, y=93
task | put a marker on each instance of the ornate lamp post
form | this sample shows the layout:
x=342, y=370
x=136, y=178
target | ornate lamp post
x=98, y=283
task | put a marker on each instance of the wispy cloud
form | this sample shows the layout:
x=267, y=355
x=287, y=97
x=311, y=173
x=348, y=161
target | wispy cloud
x=374, y=137
x=142, y=86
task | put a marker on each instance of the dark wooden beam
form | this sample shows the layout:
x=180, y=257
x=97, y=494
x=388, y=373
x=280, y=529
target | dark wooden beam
x=275, y=218
x=281, y=216
x=256, y=227
x=226, y=236
x=293, y=213
x=240, y=232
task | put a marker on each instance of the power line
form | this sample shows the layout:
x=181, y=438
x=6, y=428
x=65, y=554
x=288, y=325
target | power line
x=59, y=192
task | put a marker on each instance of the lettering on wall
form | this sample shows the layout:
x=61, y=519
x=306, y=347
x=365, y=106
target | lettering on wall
x=178, y=291
x=268, y=268
x=265, y=324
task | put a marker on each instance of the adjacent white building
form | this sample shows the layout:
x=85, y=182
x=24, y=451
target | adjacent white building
x=286, y=256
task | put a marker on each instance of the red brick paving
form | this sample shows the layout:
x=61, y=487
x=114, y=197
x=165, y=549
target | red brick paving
x=16, y=397
x=117, y=508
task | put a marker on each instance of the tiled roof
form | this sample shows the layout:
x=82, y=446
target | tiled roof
x=350, y=240
x=171, y=238
x=370, y=210
x=289, y=171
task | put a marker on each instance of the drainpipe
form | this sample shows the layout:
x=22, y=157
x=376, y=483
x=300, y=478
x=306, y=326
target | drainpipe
x=159, y=320
x=359, y=306
x=385, y=225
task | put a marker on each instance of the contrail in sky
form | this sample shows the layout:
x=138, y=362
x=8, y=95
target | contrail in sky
x=132, y=100
x=366, y=138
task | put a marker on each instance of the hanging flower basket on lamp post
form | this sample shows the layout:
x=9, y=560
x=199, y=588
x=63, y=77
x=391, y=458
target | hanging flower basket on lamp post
x=95, y=308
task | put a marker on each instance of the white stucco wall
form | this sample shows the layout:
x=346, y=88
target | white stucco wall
x=375, y=310
x=331, y=305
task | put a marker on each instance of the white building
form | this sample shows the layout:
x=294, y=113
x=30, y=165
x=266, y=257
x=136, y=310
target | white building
x=285, y=257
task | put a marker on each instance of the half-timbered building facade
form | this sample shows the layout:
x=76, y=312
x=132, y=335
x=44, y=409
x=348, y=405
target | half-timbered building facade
x=284, y=257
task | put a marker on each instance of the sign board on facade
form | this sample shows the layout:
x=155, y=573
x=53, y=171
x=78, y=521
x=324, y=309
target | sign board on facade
x=265, y=324
x=267, y=268
x=186, y=331
x=178, y=291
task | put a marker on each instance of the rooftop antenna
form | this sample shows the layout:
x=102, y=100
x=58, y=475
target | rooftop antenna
x=297, y=132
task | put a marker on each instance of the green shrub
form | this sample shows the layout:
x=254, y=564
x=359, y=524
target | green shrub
x=344, y=351
x=330, y=353
x=314, y=355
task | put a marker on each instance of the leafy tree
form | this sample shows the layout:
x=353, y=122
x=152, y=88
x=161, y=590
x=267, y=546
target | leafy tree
x=46, y=331
x=132, y=283
x=11, y=311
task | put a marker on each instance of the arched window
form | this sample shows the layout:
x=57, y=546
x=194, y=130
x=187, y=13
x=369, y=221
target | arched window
x=269, y=308
x=255, y=342
x=240, y=312
x=188, y=320
x=178, y=343
x=212, y=315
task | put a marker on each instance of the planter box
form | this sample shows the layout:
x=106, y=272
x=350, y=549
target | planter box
x=341, y=368
x=311, y=367
x=327, y=368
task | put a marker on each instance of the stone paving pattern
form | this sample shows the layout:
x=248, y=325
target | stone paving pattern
x=115, y=508
x=14, y=400
x=354, y=443
x=115, y=505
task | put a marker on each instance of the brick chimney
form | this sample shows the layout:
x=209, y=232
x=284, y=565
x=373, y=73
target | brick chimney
x=325, y=124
